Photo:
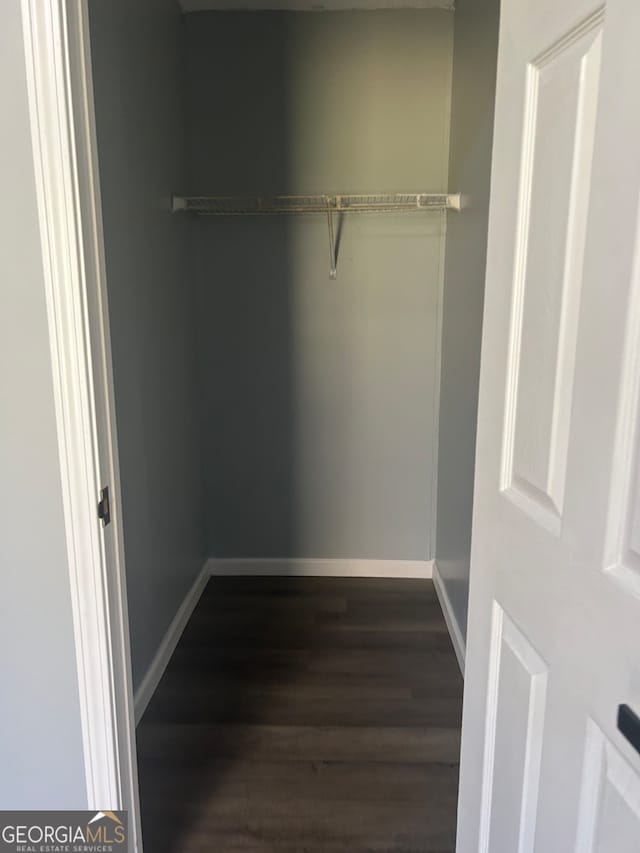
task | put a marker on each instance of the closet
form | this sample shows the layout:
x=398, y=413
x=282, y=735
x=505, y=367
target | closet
x=295, y=295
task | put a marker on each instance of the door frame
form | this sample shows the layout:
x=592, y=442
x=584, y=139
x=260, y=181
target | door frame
x=64, y=140
x=61, y=112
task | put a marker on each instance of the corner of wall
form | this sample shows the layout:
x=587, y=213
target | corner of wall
x=450, y=617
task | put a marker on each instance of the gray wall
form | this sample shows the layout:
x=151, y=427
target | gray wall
x=40, y=730
x=474, y=67
x=319, y=395
x=138, y=69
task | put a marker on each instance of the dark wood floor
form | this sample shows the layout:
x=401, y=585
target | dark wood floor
x=318, y=715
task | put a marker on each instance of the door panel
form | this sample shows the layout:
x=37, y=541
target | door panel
x=560, y=111
x=609, y=819
x=622, y=547
x=554, y=614
x=515, y=720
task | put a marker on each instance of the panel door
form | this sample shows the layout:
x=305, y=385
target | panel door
x=554, y=619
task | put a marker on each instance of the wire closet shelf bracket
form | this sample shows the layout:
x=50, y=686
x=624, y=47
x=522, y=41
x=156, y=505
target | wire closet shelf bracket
x=329, y=205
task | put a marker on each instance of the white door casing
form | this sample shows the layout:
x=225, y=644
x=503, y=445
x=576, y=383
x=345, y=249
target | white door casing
x=554, y=618
x=60, y=94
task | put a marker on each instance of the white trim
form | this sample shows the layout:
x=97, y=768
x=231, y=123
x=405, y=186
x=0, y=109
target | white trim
x=56, y=186
x=188, y=6
x=169, y=642
x=319, y=567
x=57, y=61
x=490, y=725
x=449, y=617
x=304, y=567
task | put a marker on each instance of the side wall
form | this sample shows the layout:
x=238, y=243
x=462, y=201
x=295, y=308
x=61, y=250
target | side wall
x=319, y=396
x=138, y=71
x=41, y=757
x=473, y=94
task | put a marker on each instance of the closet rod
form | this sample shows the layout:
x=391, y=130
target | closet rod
x=326, y=204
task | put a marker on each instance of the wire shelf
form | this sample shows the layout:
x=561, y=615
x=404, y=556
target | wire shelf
x=343, y=203
x=329, y=205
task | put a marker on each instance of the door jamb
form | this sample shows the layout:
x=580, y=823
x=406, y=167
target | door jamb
x=61, y=109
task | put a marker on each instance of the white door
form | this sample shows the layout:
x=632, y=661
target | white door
x=554, y=621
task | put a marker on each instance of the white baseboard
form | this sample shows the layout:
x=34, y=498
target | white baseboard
x=304, y=567
x=449, y=617
x=152, y=677
x=319, y=567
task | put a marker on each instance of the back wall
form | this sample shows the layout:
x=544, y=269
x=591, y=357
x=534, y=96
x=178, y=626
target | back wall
x=319, y=418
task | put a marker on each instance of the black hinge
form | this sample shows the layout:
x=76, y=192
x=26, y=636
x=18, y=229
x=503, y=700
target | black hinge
x=104, y=510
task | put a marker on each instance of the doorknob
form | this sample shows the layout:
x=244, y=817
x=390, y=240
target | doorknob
x=629, y=725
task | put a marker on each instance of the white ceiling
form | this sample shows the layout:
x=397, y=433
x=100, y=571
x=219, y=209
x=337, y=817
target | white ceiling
x=311, y=5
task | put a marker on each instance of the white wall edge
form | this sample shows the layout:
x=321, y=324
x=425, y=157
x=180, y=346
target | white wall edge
x=319, y=567
x=168, y=644
x=449, y=617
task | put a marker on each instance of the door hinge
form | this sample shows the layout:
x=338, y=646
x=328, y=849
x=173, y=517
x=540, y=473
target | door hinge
x=104, y=509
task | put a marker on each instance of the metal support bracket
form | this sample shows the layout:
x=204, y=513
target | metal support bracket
x=333, y=269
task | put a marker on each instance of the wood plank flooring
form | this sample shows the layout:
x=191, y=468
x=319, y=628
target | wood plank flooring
x=305, y=715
